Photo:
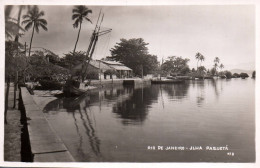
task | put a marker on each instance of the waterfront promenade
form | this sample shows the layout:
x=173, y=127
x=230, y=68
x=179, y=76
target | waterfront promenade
x=12, y=138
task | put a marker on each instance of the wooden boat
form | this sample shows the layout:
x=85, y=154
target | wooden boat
x=71, y=88
x=72, y=91
x=167, y=81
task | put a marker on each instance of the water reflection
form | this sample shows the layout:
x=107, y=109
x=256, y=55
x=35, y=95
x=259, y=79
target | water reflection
x=133, y=108
x=101, y=124
x=176, y=91
x=132, y=103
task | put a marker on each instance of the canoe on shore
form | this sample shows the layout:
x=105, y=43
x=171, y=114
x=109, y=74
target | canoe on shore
x=170, y=81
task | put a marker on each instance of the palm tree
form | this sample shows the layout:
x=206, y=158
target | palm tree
x=33, y=19
x=21, y=7
x=11, y=27
x=216, y=60
x=215, y=67
x=79, y=13
x=221, y=66
x=201, y=58
x=197, y=56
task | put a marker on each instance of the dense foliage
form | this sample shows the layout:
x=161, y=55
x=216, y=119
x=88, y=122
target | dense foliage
x=253, y=74
x=228, y=74
x=244, y=75
x=134, y=54
x=15, y=60
x=70, y=60
x=40, y=67
x=176, y=65
x=50, y=85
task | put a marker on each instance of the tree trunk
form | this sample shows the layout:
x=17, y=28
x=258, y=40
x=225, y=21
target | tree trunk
x=31, y=40
x=15, y=87
x=77, y=39
x=6, y=98
x=197, y=65
x=17, y=42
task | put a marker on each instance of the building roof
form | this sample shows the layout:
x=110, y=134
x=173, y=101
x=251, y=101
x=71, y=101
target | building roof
x=112, y=62
x=120, y=67
x=99, y=64
x=116, y=65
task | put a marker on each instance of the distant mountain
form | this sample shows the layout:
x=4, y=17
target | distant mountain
x=249, y=72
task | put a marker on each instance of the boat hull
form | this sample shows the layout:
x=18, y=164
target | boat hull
x=73, y=91
x=167, y=81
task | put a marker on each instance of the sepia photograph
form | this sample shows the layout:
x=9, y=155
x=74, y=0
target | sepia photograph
x=131, y=84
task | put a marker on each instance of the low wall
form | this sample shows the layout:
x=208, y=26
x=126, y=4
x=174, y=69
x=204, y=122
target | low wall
x=118, y=81
x=45, y=144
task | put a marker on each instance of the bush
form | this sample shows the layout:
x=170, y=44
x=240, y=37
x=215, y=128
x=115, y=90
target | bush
x=228, y=74
x=253, y=74
x=50, y=85
x=244, y=75
x=236, y=75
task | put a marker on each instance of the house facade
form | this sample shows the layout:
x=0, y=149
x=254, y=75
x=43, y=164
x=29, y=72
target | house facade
x=103, y=70
x=122, y=70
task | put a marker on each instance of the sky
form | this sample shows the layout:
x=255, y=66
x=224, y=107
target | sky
x=224, y=31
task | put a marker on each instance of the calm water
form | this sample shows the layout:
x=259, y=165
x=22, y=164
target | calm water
x=122, y=124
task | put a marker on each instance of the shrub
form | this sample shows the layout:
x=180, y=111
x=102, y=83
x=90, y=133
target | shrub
x=244, y=75
x=228, y=74
x=236, y=75
x=253, y=74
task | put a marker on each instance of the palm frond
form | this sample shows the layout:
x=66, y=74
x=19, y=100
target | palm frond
x=26, y=21
x=8, y=9
x=41, y=14
x=43, y=21
x=27, y=16
x=88, y=19
x=76, y=24
x=28, y=26
x=75, y=10
x=74, y=16
x=86, y=12
x=8, y=35
x=44, y=27
x=37, y=28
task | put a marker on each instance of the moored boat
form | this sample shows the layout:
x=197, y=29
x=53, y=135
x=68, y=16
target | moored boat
x=167, y=81
x=71, y=88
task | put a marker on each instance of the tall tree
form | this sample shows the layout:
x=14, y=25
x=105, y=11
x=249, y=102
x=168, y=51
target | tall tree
x=175, y=65
x=201, y=58
x=221, y=66
x=33, y=19
x=11, y=26
x=134, y=54
x=216, y=62
x=21, y=7
x=79, y=13
x=197, y=56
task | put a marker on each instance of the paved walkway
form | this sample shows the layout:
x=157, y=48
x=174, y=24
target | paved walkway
x=12, y=134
